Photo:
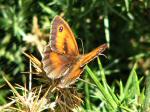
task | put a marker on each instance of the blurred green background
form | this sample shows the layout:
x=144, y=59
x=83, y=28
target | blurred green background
x=123, y=24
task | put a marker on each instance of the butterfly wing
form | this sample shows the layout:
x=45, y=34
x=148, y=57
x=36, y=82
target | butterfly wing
x=55, y=64
x=62, y=50
x=93, y=54
x=62, y=39
x=78, y=67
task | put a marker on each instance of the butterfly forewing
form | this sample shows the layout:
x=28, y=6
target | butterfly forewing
x=93, y=54
x=62, y=39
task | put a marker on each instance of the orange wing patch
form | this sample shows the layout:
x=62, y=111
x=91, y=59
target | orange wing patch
x=74, y=72
x=54, y=64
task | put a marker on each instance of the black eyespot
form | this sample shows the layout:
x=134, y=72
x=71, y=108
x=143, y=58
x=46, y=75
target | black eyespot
x=60, y=28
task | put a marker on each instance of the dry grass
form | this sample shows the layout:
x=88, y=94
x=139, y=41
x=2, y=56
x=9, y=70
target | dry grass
x=43, y=96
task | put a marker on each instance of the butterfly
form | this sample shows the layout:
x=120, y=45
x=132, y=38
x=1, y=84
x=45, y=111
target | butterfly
x=61, y=58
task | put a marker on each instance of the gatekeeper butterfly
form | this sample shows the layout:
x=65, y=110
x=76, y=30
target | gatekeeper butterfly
x=61, y=58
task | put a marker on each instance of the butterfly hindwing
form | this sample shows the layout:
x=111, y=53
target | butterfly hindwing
x=55, y=64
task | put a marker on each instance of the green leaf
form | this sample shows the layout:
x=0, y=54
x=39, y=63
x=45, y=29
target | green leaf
x=108, y=98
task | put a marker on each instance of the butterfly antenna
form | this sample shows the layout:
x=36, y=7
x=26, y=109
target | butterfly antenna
x=86, y=82
x=81, y=44
x=104, y=56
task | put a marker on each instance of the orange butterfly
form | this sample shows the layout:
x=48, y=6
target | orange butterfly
x=62, y=58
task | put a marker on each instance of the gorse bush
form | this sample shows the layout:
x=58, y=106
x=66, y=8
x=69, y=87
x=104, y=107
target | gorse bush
x=123, y=25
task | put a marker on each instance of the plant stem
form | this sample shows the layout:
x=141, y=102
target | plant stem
x=146, y=107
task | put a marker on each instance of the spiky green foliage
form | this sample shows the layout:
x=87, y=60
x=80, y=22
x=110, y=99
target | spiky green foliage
x=129, y=97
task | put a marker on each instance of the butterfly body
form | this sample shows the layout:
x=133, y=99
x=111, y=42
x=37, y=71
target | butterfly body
x=62, y=59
